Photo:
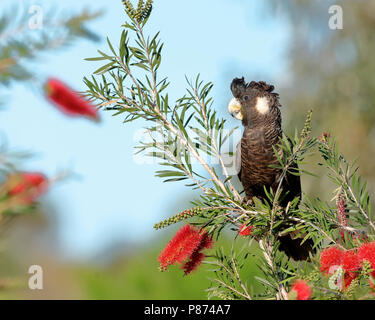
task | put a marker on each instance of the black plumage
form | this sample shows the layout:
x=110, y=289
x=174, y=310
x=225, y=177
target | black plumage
x=257, y=106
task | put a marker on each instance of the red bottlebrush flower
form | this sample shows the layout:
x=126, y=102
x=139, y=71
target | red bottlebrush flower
x=333, y=257
x=350, y=261
x=28, y=186
x=197, y=256
x=302, y=289
x=367, y=252
x=245, y=230
x=185, y=246
x=195, y=260
x=351, y=266
x=69, y=101
x=329, y=258
x=180, y=247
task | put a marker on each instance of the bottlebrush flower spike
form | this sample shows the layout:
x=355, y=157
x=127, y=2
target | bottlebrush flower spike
x=69, y=101
x=245, y=230
x=367, y=252
x=330, y=258
x=300, y=290
x=351, y=265
x=197, y=256
x=333, y=257
x=185, y=247
x=180, y=247
x=27, y=186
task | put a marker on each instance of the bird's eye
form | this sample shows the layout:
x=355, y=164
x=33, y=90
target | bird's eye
x=246, y=98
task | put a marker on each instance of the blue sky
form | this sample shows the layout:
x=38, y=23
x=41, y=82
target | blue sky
x=114, y=198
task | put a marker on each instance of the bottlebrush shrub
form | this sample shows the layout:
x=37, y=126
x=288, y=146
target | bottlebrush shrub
x=342, y=231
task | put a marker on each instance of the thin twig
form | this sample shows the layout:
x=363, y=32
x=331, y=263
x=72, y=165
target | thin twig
x=231, y=288
x=267, y=252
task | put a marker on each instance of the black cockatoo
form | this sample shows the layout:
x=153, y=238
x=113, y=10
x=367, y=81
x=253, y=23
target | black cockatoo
x=257, y=106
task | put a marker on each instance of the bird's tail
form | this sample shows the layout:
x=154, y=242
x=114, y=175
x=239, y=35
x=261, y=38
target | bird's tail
x=294, y=248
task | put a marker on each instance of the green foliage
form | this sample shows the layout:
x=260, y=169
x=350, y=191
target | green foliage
x=227, y=282
x=349, y=182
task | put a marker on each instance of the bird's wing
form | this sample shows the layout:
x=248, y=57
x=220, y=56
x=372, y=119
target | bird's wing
x=238, y=160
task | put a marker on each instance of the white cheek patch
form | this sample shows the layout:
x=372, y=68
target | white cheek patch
x=262, y=105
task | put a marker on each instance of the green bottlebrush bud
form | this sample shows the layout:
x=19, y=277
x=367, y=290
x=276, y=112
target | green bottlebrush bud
x=147, y=9
x=140, y=6
x=143, y=10
x=366, y=268
x=314, y=276
x=129, y=9
x=307, y=127
x=178, y=217
x=351, y=288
